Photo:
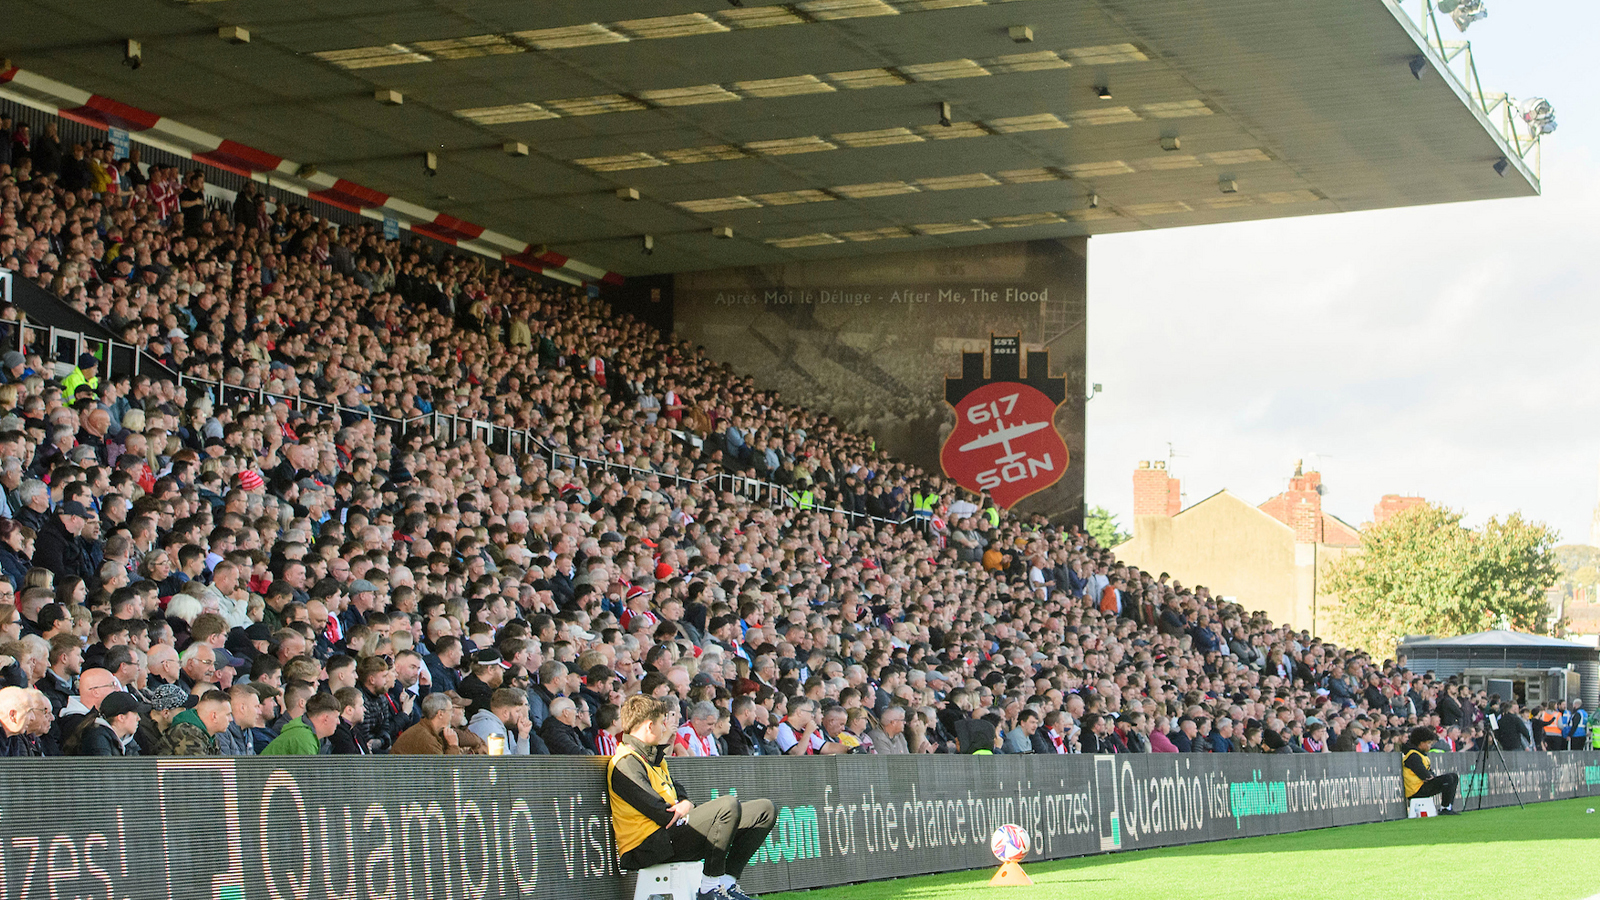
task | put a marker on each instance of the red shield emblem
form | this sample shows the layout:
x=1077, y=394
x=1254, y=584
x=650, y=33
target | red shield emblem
x=1005, y=442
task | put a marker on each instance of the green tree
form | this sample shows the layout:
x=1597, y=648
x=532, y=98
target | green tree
x=1102, y=526
x=1422, y=572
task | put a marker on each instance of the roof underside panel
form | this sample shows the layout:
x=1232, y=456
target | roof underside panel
x=810, y=118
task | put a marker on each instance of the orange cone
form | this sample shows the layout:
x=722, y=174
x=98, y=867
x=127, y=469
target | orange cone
x=1010, y=874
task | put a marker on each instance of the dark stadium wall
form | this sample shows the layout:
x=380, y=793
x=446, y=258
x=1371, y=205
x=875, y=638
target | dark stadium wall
x=647, y=298
x=872, y=340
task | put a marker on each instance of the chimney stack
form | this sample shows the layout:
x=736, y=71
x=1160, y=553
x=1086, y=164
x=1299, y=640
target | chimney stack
x=1300, y=507
x=1392, y=505
x=1155, y=493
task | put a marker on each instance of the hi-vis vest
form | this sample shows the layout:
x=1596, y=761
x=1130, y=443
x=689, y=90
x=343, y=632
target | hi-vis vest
x=1413, y=783
x=632, y=826
x=803, y=499
x=993, y=515
x=1552, y=723
x=923, y=504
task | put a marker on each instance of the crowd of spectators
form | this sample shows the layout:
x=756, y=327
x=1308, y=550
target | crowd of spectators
x=285, y=566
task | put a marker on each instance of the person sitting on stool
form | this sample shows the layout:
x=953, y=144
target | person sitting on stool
x=653, y=821
x=1419, y=778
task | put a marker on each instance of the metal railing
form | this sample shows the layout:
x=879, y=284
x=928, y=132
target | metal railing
x=1500, y=109
x=117, y=357
x=63, y=346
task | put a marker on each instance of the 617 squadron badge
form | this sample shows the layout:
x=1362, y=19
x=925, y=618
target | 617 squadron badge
x=1005, y=441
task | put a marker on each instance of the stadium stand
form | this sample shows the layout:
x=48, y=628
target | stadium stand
x=383, y=472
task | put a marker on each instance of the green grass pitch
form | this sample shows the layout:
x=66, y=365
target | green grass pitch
x=1549, y=850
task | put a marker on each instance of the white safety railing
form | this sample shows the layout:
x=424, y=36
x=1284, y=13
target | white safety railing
x=55, y=343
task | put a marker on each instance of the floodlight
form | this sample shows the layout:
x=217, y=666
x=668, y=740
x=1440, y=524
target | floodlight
x=1419, y=64
x=1539, y=114
x=1102, y=91
x=1501, y=165
x=944, y=114
x=1464, y=12
x=648, y=245
x=430, y=164
x=133, y=54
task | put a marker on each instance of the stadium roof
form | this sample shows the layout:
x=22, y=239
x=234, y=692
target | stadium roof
x=1495, y=639
x=811, y=128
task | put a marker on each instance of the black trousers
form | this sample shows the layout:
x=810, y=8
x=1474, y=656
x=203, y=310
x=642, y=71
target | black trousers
x=724, y=832
x=1444, y=786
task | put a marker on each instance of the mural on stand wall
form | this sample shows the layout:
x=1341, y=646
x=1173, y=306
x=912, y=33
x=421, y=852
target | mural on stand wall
x=871, y=342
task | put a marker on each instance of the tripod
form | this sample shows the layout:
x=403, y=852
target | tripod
x=1492, y=741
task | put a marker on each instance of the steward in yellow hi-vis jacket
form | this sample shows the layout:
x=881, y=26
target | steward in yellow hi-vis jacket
x=1418, y=772
x=655, y=823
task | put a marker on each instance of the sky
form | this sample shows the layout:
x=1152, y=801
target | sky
x=1451, y=351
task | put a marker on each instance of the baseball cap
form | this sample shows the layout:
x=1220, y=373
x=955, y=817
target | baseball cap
x=87, y=361
x=74, y=508
x=225, y=658
x=121, y=702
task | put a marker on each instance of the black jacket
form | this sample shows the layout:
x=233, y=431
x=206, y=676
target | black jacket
x=33, y=519
x=1514, y=733
x=60, y=552
x=1041, y=742
x=1449, y=710
x=50, y=685
x=97, y=739
x=19, y=745
x=563, y=739
x=349, y=741
x=1095, y=743
x=740, y=743
x=473, y=688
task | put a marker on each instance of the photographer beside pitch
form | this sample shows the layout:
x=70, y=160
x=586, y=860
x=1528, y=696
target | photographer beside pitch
x=653, y=821
x=1418, y=772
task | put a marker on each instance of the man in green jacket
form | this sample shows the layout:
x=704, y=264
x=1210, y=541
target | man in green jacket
x=304, y=736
